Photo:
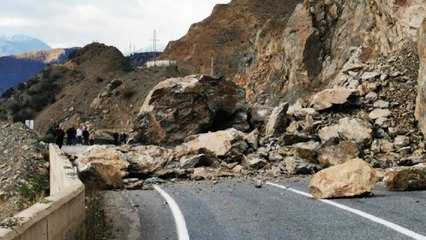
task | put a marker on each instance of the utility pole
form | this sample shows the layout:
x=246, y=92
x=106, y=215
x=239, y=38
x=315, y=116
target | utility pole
x=154, y=42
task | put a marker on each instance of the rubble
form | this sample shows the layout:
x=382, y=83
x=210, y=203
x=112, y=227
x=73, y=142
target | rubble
x=24, y=164
x=369, y=115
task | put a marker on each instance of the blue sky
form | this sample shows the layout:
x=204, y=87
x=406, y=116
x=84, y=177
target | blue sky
x=125, y=24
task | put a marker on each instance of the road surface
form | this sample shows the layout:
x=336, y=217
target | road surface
x=235, y=210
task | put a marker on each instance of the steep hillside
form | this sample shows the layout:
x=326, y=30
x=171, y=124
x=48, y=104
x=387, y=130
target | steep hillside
x=19, y=68
x=227, y=35
x=280, y=52
x=10, y=45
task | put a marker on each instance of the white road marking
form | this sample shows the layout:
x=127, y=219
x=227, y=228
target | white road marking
x=181, y=229
x=388, y=224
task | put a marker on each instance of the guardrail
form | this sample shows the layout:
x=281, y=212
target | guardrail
x=59, y=216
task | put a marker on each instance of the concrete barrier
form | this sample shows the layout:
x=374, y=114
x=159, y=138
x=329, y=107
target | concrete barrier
x=59, y=216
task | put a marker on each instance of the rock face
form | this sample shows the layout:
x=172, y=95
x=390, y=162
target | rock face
x=421, y=88
x=180, y=107
x=226, y=36
x=319, y=40
x=352, y=178
x=406, y=178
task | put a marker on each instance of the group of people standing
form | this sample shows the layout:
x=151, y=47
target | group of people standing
x=79, y=135
x=119, y=138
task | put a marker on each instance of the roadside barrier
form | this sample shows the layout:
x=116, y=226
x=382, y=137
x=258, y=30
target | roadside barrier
x=59, y=216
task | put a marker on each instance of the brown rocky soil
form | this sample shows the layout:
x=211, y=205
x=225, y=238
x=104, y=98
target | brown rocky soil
x=24, y=175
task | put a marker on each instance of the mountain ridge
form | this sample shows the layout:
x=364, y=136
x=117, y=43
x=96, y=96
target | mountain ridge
x=19, y=43
x=16, y=69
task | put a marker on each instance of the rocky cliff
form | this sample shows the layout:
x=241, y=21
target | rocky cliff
x=225, y=39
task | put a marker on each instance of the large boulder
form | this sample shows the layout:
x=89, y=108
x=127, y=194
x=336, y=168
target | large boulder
x=225, y=144
x=254, y=161
x=106, y=163
x=147, y=160
x=307, y=150
x=352, y=178
x=355, y=130
x=406, y=178
x=329, y=97
x=337, y=154
x=258, y=116
x=180, y=107
x=347, y=129
x=199, y=158
x=299, y=166
x=278, y=120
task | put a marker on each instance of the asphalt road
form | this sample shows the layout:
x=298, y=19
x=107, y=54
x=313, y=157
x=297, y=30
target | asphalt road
x=237, y=210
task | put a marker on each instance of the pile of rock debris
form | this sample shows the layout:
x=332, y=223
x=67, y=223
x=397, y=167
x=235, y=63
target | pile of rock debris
x=369, y=114
x=24, y=175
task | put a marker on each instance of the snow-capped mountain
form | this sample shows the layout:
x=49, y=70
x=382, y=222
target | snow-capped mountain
x=15, y=44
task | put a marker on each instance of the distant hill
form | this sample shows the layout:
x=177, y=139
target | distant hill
x=19, y=68
x=16, y=44
x=96, y=84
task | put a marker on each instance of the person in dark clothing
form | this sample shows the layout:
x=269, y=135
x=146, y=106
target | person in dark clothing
x=59, y=137
x=71, y=135
x=123, y=138
x=86, y=136
x=115, y=137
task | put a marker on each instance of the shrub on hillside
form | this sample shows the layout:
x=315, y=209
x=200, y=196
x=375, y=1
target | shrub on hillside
x=127, y=93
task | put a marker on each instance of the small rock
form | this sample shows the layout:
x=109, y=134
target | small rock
x=369, y=75
x=378, y=113
x=401, y=141
x=371, y=96
x=381, y=104
x=258, y=184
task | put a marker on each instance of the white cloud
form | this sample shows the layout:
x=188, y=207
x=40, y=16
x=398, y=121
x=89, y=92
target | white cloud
x=12, y=22
x=78, y=22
